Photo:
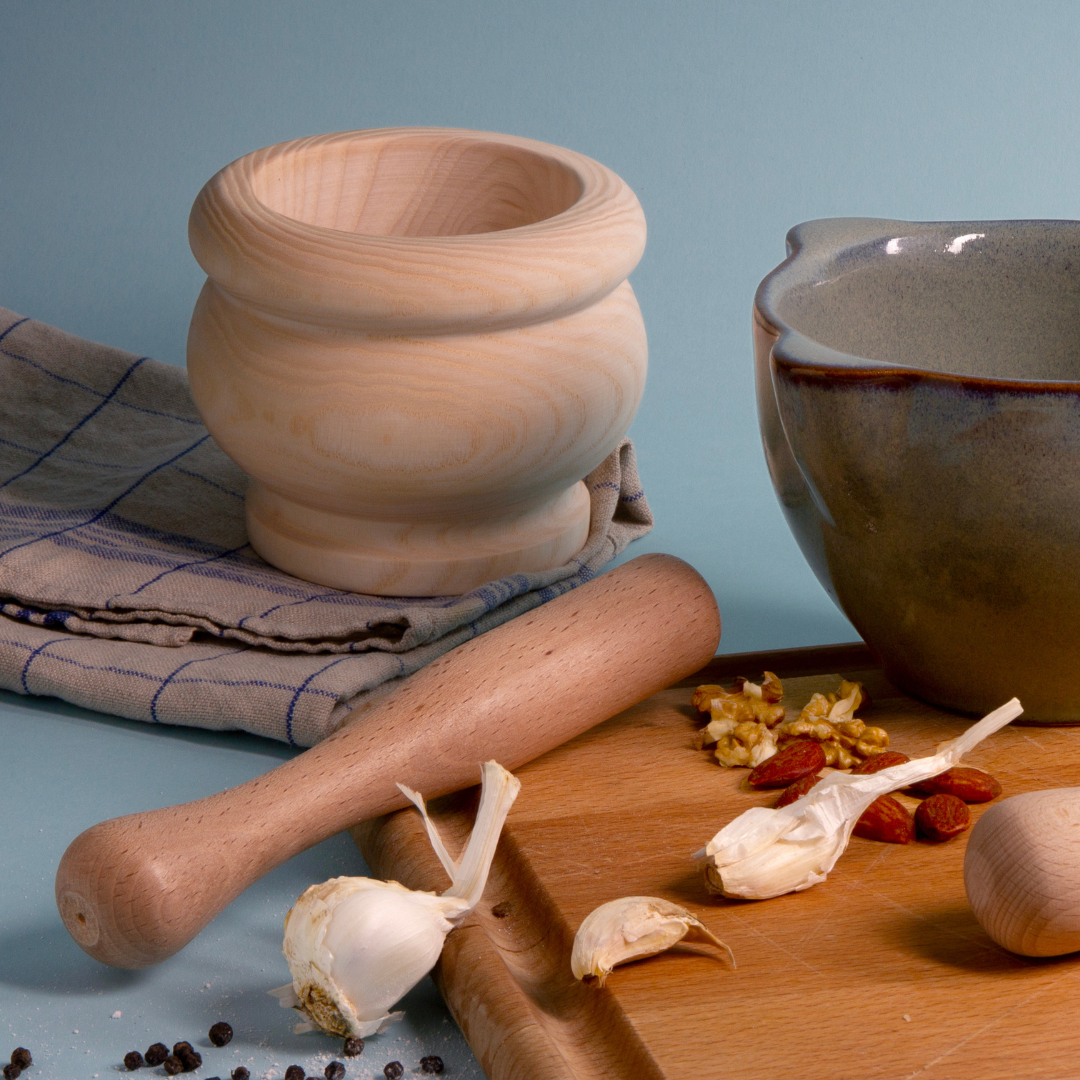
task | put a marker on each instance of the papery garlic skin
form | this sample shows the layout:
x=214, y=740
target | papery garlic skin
x=631, y=928
x=356, y=945
x=769, y=852
x=339, y=934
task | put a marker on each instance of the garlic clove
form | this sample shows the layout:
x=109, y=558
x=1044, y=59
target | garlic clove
x=355, y=945
x=632, y=928
x=768, y=852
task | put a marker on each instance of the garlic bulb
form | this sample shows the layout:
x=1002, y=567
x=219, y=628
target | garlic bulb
x=631, y=928
x=768, y=852
x=355, y=946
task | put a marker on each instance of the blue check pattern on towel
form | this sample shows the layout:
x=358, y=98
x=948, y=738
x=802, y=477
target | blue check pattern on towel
x=127, y=584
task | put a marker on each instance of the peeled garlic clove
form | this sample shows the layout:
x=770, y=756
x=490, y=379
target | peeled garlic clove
x=631, y=928
x=768, y=852
x=355, y=945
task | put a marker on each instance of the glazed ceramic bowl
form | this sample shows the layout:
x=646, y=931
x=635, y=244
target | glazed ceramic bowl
x=919, y=397
x=417, y=342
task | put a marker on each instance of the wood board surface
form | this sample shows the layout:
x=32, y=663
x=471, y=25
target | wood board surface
x=882, y=971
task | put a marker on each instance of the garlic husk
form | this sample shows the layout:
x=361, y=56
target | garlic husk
x=355, y=945
x=769, y=852
x=632, y=928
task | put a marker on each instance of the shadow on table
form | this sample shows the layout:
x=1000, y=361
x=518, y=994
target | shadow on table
x=44, y=958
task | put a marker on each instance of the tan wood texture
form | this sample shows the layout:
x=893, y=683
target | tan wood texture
x=1022, y=872
x=133, y=890
x=882, y=971
x=417, y=342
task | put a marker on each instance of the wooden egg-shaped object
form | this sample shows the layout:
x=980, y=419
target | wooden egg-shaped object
x=416, y=342
x=1022, y=872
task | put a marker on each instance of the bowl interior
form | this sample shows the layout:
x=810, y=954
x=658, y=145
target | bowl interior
x=997, y=300
x=416, y=184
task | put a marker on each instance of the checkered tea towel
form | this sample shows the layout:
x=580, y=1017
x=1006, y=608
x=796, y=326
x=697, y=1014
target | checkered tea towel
x=127, y=584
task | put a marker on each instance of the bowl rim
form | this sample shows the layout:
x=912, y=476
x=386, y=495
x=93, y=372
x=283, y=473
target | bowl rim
x=812, y=245
x=312, y=273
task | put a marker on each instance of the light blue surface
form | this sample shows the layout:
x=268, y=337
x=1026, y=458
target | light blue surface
x=65, y=769
x=732, y=122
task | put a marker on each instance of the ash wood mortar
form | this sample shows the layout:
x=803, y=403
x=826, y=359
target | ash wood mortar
x=826, y=978
x=416, y=342
x=134, y=890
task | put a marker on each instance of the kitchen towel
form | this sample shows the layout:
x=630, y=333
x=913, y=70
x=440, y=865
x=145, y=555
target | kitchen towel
x=127, y=584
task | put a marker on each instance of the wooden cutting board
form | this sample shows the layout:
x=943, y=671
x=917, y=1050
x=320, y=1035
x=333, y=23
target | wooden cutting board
x=882, y=971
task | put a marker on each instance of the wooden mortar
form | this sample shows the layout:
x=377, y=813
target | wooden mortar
x=416, y=342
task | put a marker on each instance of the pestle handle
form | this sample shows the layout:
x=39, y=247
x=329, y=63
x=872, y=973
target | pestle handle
x=134, y=890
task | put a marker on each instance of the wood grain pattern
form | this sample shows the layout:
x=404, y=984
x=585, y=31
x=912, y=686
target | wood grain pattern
x=135, y=889
x=417, y=342
x=1022, y=872
x=880, y=972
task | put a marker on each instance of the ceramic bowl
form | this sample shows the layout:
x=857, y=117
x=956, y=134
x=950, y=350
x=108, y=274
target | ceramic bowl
x=919, y=396
x=417, y=342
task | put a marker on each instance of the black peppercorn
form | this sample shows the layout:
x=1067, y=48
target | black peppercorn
x=353, y=1046
x=431, y=1064
x=21, y=1056
x=394, y=1070
x=334, y=1071
x=11, y=1071
x=156, y=1054
x=240, y=1073
x=172, y=1065
x=190, y=1059
x=221, y=1034
x=294, y=1072
x=182, y=1045
x=133, y=1060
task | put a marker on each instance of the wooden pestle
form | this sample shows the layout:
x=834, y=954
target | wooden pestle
x=1022, y=872
x=134, y=890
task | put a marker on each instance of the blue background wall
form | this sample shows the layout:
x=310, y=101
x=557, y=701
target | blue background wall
x=732, y=122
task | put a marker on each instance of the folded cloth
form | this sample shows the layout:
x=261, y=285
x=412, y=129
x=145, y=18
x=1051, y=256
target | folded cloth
x=127, y=584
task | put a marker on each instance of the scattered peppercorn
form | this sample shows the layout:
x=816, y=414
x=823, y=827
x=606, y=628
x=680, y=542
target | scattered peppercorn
x=394, y=1070
x=353, y=1046
x=133, y=1060
x=431, y=1064
x=11, y=1072
x=294, y=1072
x=191, y=1059
x=21, y=1056
x=183, y=1044
x=334, y=1071
x=240, y=1073
x=221, y=1034
x=172, y=1065
x=156, y=1054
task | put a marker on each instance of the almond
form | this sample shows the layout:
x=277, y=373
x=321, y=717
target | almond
x=886, y=819
x=799, y=758
x=797, y=790
x=971, y=785
x=941, y=817
x=877, y=762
